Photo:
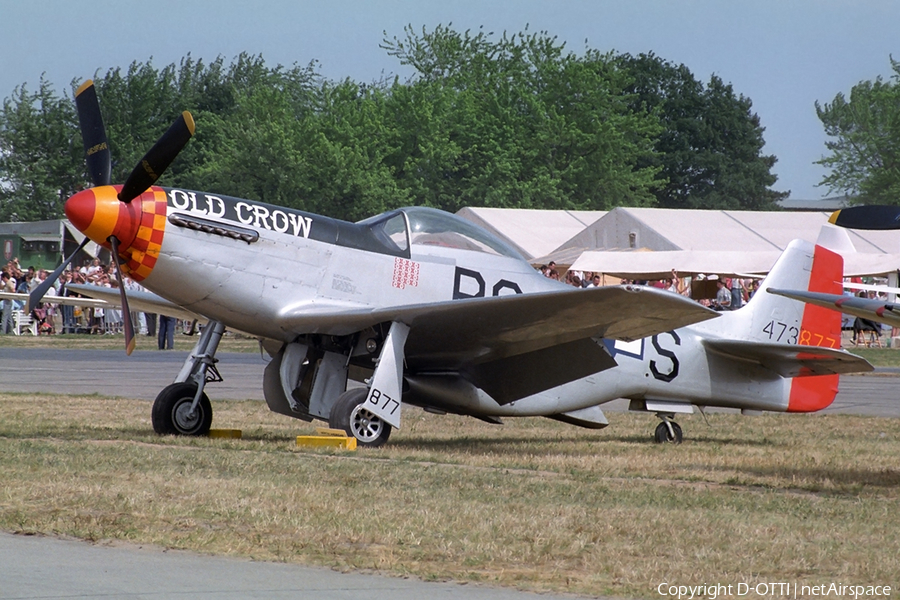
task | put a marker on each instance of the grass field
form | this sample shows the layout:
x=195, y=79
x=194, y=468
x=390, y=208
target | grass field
x=534, y=504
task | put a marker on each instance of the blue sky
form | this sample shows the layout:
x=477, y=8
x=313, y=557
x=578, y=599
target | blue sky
x=782, y=54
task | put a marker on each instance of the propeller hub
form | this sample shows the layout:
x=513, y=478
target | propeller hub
x=98, y=214
x=139, y=226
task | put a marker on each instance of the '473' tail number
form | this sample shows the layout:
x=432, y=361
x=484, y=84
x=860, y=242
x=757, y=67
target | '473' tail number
x=781, y=332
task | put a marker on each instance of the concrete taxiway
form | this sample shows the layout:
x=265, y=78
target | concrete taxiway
x=35, y=567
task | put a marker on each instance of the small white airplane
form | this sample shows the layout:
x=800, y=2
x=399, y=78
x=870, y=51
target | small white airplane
x=431, y=311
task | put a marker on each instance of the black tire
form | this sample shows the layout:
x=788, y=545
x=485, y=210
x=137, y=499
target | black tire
x=663, y=435
x=171, y=408
x=347, y=414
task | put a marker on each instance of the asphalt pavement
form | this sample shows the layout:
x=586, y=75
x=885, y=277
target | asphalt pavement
x=36, y=567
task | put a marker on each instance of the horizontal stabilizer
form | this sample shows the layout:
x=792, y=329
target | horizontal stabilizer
x=791, y=360
x=866, y=308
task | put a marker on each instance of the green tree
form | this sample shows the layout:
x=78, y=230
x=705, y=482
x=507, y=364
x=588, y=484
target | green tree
x=865, y=144
x=322, y=151
x=515, y=122
x=509, y=121
x=141, y=103
x=40, y=154
x=709, y=150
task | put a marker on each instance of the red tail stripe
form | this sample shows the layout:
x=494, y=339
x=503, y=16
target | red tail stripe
x=815, y=393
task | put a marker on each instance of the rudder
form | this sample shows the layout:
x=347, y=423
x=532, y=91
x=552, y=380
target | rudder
x=819, y=327
x=776, y=319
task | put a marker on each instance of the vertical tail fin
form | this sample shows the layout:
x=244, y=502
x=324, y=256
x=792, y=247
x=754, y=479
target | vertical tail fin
x=775, y=319
x=802, y=266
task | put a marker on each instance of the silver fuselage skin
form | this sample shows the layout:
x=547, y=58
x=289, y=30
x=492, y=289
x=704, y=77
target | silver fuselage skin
x=245, y=284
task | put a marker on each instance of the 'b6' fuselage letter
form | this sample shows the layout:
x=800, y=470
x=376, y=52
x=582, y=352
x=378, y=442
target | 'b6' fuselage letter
x=458, y=283
x=466, y=288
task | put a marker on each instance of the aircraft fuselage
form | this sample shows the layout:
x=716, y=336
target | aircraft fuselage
x=241, y=262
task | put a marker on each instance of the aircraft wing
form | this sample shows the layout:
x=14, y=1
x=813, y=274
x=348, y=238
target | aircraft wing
x=791, y=360
x=871, y=288
x=866, y=308
x=138, y=301
x=517, y=345
x=71, y=301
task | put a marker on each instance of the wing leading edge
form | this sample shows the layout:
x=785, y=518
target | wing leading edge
x=137, y=300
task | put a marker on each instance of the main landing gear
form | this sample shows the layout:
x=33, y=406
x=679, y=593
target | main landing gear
x=349, y=415
x=668, y=431
x=183, y=408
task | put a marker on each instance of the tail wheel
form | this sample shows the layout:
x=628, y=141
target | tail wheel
x=171, y=414
x=348, y=414
x=665, y=434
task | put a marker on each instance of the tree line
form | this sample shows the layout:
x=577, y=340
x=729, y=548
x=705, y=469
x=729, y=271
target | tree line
x=514, y=121
x=865, y=147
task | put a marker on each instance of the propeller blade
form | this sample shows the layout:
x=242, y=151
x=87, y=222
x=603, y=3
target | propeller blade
x=38, y=293
x=867, y=216
x=158, y=158
x=93, y=134
x=126, y=314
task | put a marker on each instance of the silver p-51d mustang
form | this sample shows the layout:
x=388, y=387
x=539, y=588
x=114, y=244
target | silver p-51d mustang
x=433, y=310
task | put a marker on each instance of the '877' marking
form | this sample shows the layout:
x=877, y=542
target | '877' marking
x=388, y=404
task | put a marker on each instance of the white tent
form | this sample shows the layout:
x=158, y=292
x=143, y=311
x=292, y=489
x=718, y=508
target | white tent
x=533, y=232
x=659, y=265
x=709, y=241
x=717, y=230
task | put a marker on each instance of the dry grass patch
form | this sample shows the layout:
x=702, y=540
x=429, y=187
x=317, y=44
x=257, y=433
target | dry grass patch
x=534, y=504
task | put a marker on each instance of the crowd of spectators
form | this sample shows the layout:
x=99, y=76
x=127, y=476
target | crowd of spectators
x=731, y=293
x=54, y=318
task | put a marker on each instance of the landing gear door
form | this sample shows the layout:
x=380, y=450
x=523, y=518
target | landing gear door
x=386, y=390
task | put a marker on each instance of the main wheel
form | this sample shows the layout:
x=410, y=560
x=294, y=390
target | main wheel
x=663, y=434
x=172, y=407
x=348, y=414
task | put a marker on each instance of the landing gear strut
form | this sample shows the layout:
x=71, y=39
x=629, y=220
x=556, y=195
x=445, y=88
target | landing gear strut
x=183, y=408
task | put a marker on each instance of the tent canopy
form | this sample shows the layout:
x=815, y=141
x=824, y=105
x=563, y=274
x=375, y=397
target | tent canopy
x=690, y=241
x=533, y=232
